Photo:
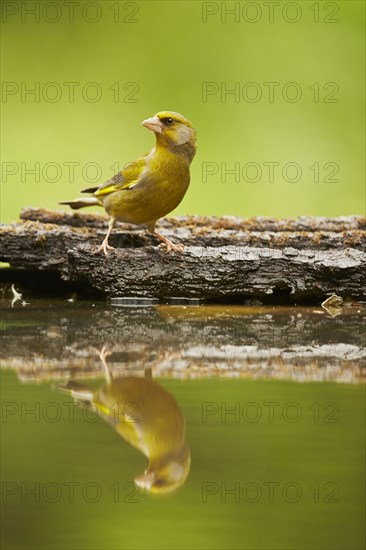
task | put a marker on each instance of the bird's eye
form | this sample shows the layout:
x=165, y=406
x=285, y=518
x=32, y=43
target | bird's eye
x=160, y=482
x=169, y=120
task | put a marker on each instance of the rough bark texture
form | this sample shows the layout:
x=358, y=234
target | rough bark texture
x=224, y=258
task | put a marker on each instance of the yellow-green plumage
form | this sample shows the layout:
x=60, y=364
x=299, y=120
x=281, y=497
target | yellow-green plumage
x=147, y=417
x=154, y=184
x=162, y=184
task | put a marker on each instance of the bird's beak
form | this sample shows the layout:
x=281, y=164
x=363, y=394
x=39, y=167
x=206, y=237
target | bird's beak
x=153, y=124
x=145, y=481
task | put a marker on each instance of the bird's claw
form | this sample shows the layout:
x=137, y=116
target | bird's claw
x=171, y=247
x=174, y=247
x=104, y=247
x=103, y=353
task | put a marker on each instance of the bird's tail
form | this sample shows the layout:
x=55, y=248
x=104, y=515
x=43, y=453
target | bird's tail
x=81, y=203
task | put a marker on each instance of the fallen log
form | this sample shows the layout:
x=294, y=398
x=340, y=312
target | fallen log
x=287, y=260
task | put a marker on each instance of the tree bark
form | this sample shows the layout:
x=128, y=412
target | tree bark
x=286, y=260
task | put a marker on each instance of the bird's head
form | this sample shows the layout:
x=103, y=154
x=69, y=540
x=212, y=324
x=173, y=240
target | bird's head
x=174, y=132
x=165, y=476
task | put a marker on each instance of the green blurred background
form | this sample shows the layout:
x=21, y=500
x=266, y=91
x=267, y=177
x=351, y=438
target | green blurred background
x=161, y=54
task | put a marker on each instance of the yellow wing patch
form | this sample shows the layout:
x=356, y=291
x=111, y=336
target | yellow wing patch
x=103, y=409
x=107, y=190
x=126, y=179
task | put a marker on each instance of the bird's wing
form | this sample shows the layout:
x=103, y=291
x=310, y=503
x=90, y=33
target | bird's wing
x=127, y=178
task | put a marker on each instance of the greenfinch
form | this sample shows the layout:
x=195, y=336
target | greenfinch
x=148, y=418
x=153, y=185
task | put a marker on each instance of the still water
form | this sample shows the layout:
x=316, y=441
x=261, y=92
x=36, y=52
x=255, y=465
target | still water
x=182, y=427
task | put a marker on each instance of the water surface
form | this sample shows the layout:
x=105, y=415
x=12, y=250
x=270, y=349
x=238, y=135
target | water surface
x=273, y=405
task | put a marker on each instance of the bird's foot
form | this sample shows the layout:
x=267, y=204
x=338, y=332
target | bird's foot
x=167, y=243
x=103, y=353
x=104, y=247
x=169, y=246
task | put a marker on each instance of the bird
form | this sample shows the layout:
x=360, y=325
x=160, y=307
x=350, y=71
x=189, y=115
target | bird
x=151, y=187
x=147, y=417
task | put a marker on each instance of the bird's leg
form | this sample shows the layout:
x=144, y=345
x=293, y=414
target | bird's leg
x=103, y=354
x=105, y=246
x=148, y=373
x=168, y=243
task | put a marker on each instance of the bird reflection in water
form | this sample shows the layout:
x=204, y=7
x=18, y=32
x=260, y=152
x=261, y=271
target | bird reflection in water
x=146, y=416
